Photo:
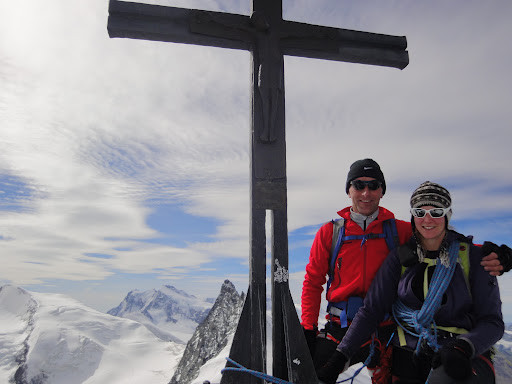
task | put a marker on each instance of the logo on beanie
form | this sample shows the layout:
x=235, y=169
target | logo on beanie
x=365, y=168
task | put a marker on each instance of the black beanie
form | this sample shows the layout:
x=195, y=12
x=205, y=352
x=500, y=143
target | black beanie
x=365, y=168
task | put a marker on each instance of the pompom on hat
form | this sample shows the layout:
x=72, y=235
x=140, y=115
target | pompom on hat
x=435, y=195
x=365, y=168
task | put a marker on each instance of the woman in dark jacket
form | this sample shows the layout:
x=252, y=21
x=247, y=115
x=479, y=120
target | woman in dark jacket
x=447, y=306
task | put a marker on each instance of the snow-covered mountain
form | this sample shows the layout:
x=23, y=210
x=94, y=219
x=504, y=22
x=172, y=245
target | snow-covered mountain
x=503, y=358
x=53, y=339
x=171, y=314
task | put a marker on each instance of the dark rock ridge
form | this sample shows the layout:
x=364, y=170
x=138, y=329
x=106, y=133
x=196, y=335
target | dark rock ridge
x=212, y=335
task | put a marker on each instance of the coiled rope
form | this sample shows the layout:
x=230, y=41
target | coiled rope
x=422, y=320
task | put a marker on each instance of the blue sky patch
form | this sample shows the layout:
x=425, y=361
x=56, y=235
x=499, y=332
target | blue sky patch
x=15, y=193
x=99, y=255
x=179, y=228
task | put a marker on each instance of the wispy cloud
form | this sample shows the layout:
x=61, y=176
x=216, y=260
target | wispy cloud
x=98, y=134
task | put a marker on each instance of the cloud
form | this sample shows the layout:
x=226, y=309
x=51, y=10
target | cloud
x=100, y=133
x=94, y=131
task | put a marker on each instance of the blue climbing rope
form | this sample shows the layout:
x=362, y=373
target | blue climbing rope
x=365, y=364
x=260, y=375
x=421, y=320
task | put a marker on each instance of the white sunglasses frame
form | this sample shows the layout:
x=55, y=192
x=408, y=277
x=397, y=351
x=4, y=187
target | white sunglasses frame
x=445, y=212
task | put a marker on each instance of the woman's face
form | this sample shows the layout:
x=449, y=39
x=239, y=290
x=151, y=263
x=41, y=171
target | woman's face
x=429, y=228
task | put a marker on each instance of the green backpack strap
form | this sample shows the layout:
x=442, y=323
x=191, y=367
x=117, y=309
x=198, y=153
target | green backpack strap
x=464, y=262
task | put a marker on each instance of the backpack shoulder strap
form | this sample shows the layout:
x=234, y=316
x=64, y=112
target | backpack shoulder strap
x=464, y=262
x=391, y=233
x=338, y=230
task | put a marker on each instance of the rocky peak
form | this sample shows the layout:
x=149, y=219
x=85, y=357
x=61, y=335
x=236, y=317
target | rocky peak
x=212, y=335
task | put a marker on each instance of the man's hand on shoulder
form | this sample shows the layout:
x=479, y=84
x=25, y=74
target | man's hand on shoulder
x=497, y=259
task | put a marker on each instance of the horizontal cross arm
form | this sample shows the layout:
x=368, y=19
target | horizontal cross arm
x=318, y=42
x=179, y=25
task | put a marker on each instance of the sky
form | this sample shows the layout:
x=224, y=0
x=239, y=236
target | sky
x=124, y=164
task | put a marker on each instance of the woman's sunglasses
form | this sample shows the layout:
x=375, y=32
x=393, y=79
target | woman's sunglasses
x=435, y=213
x=359, y=185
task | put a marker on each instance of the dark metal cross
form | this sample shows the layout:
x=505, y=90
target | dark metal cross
x=268, y=37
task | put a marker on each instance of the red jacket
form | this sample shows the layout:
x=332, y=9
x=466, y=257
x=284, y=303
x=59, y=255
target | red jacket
x=354, y=271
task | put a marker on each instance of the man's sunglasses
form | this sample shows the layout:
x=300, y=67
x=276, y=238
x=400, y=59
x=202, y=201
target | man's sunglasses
x=359, y=185
x=435, y=213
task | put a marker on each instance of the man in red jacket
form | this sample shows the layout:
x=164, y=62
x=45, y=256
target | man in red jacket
x=364, y=246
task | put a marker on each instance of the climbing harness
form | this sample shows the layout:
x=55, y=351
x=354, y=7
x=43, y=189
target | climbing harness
x=382, y=373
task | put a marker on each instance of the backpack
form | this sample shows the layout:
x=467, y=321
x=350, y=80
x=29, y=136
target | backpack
x=390, y=234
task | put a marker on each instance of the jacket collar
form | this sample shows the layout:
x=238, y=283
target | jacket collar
x=384, y=214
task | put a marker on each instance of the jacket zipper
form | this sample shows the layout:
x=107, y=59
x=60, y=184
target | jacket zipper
x=364, y=267
x=365, y=256
x=339, y=261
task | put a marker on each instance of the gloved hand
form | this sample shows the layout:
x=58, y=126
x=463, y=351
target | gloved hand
x=455, y=356
x=504, y=254
x=489, y=247
x=424, y=358
x=310, y=335
x=336, y=364
x=505, y=257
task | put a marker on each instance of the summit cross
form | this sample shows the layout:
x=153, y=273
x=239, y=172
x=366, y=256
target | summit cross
x=268, y=37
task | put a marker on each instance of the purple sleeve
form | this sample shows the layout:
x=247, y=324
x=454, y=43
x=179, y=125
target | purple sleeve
x=377, y=304
x=488, y=319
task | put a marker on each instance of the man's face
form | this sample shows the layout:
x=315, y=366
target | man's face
x=365, y=201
